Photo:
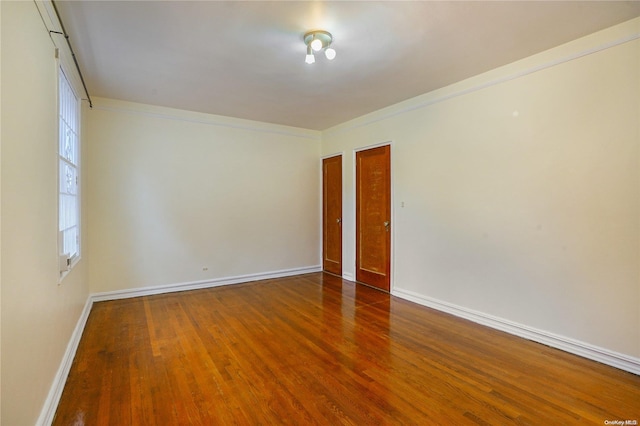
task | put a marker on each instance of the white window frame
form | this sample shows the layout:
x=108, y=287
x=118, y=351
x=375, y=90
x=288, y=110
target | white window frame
x=69, y=119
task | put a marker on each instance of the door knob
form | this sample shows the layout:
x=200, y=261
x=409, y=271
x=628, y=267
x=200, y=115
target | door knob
x=386, y=225
x=338, y=221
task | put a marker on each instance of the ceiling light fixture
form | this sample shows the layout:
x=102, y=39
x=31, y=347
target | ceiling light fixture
x=316, y=41
x=309, y=58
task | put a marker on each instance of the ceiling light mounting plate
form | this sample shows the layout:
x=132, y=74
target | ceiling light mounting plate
x=324, y=36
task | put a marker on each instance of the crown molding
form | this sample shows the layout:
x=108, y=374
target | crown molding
x=120, y=106
x=486, y=80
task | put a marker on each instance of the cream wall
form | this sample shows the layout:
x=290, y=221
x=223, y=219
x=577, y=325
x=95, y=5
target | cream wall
x=38, y=315
x=521, y=191
x=172, y=192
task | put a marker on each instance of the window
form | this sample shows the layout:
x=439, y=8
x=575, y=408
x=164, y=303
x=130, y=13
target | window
x=68, y=168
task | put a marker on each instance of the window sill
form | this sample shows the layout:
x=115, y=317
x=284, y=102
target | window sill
x=64, y=274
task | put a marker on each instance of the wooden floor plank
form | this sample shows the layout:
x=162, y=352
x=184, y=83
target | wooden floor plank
x=314, y=349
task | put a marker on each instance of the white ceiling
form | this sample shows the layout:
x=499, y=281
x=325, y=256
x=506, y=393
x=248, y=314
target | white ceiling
x=246, y=59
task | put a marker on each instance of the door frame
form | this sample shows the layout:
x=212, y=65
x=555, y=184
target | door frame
x=324, y=157
x=392, y=207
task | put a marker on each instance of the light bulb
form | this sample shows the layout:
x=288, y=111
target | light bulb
x=316, y=44
x=330, y=53
x=310, y=59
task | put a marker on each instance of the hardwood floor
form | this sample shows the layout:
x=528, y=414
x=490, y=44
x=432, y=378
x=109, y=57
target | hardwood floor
x=314, y=349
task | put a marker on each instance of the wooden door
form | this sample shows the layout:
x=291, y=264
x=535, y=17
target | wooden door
x=373, y=217
x=332, y=215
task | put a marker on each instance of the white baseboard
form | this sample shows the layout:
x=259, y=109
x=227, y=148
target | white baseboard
x=585, y=350
x=55, y=392
x=195, y=285
x=348, y=276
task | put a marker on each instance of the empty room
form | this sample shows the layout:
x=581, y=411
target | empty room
x=319, y=212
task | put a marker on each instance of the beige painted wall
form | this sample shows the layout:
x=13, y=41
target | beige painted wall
x=521, y=191
x=172, y=192
x=38, y=315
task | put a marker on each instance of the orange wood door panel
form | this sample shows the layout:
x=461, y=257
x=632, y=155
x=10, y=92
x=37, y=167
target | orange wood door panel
x=332, y=215
x=373, y=217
